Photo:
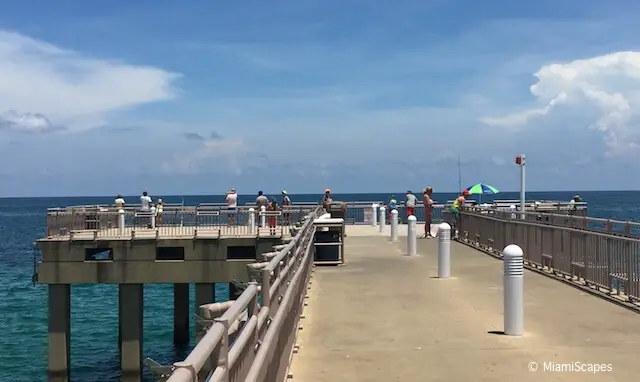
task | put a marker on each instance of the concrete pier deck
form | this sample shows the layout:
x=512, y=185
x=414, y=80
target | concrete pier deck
x=383, y=316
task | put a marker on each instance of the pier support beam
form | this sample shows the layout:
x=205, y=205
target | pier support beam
x=59, y=330
x=204, y=295
x=130, y=299
x=180, y=314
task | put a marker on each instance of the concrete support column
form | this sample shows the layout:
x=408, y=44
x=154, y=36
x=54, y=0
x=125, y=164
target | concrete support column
x=130, y=299
x=181, y=314
x=204, y=295
x=59, y=331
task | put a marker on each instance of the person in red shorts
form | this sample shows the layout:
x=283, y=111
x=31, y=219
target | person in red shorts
x=410, y=203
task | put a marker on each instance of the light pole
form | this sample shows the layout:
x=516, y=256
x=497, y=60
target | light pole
x=520, y=161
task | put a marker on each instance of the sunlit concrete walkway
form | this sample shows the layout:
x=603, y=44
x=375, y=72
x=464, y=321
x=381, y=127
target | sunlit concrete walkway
x=384, y=317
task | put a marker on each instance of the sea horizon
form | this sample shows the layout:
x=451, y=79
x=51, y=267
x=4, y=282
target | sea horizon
x=278, y=192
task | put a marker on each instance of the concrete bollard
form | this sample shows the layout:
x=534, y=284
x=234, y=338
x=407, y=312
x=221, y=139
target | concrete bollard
x=513, y=285
x=153, y=217
x=394, y=225
x=252, y=220
x=263, y=217
x=411, y=236
x=374, y=215
x=121, y=221
x=444, y=251
x=383, y=218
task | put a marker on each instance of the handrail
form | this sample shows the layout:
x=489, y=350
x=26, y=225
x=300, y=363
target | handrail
x=216, y=338
x=604, y=261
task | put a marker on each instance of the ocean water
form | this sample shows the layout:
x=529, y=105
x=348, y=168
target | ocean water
x=94, y=309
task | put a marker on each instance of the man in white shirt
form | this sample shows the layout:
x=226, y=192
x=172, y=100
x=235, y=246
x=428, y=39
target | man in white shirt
x=145, y=202
x=232, y=205
x=145, y=206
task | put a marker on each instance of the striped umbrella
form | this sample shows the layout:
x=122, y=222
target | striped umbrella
x=482, y=188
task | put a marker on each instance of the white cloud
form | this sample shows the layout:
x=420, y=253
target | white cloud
x=71, y=89
x=603, y=90
x=214, y=155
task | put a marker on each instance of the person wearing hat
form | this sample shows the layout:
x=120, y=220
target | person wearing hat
x=286, y=202
x=393, y=205
x=159, y=209
x=326, y=199
x=455, y=208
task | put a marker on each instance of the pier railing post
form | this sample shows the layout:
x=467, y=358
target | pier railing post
x=411, y=236
x=394, y=225
x=121, y=221
x=153, y=217
x=444, y=251
x=374, y=215
x=263, y=217
x=382, y=221
x=252, y=220
x=513, y=259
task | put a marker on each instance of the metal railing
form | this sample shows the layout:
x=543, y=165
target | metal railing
x=261, y=347
x=600, y=253
x=173, y=221
x=568, y=219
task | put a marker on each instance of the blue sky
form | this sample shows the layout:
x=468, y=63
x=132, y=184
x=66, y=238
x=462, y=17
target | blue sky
x=360, y=96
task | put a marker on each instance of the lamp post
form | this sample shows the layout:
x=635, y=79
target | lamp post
x=521, y=162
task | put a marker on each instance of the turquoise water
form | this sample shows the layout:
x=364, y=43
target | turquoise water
x=94, y=309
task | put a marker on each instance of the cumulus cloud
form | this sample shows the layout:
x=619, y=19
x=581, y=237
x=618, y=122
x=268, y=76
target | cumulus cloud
x=601, y=91
x=212, y=155
x=59, y=85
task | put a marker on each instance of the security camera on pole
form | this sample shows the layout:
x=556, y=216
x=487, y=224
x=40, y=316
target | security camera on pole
x=521, y=162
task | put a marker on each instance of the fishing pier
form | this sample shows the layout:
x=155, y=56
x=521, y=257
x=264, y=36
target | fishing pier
x=387, y=311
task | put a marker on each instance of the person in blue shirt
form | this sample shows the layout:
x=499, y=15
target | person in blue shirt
x=393, y=205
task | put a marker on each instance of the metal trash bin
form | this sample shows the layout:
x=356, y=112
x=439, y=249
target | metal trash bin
x=328, y=241
x=338, y=210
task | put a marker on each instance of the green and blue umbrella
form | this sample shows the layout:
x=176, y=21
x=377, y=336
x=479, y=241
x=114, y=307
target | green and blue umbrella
x=482, y=189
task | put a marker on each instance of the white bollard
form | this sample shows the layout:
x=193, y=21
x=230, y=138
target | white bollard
x=444, y=251
x=374, y=215
x=513, y=259
x=252, y=220
x=382, y=221
x=153, y=217
x=394, y=225
x=513, y=208
x=263, y=217
x=121, y=221
x=411, y=236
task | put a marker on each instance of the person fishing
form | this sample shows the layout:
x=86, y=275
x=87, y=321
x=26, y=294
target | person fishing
x=455, y=208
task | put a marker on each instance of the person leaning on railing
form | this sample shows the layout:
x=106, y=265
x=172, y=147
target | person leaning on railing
x=455, y=208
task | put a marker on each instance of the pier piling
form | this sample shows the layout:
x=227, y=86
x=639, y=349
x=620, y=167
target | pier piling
x=382, y=221
x=130, y=299
x=59, y=332
x=181, y=314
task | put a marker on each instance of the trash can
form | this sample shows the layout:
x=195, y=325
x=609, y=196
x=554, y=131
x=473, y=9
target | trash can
x=337, y=210
x=328, y=241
